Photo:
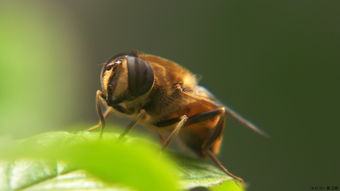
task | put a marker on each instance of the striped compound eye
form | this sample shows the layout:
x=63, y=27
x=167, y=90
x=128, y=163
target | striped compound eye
x=140, y=76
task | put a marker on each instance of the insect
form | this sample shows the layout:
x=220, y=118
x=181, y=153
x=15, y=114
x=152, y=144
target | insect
x=165, y=97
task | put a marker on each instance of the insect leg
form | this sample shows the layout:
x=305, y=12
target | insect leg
x=99, y=95
x=133, y=123
x=219, y=164
x=173, y=134
x=217, y=131
x=206, y=148
x=193, y=119
x=161, y=137
x=106, y=115
x=187, y=121
x=184, y=120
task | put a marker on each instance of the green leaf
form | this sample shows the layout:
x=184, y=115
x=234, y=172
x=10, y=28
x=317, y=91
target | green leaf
x=198, y=173
x=79, y=161
x=229, y=186
x=40, y=175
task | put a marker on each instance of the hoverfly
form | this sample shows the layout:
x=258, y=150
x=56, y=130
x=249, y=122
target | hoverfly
x=165, y=97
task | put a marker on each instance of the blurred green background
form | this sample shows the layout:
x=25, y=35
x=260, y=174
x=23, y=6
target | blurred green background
x=276, y=62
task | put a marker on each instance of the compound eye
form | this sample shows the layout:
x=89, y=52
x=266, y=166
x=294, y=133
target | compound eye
x=140, y=76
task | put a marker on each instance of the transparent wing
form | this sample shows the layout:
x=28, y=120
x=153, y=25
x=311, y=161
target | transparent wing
x=203, y=92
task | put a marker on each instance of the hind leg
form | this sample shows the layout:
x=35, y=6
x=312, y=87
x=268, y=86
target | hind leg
x=209, y=144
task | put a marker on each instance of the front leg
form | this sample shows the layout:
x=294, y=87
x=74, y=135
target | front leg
x=106, y=115
x=100, y=99
x=99, y=96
